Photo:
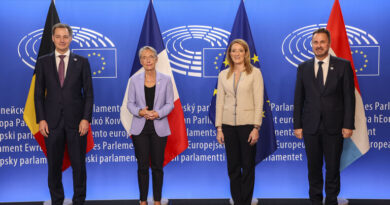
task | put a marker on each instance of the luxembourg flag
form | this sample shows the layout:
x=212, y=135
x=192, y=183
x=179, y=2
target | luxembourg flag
x=358, y=144
x=151, y=36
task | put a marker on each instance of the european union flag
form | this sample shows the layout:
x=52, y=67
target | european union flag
x=366, y=60
x=213, y=57
x=102, y=60
x=267, y=141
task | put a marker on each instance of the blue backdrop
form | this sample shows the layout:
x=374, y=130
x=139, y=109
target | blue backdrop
x=107, y=32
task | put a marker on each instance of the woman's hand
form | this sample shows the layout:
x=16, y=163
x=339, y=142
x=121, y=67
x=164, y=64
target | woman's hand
x=220, y=137
x=151, y=115
x=253, y=136
x=143, y=111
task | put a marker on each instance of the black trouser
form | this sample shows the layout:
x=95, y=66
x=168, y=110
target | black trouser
x=149, y=147
x=240, y=162
x=319, y=146
x=55, y=145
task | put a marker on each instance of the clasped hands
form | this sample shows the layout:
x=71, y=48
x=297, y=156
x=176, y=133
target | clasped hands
x=148, y=114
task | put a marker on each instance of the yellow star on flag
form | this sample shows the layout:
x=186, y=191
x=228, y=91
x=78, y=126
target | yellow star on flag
x=255, y=58
x=215, y=92
x=226, y=62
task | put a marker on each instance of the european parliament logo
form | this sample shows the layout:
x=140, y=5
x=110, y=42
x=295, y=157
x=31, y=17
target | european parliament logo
x=196, y=50
x=365, y=49
x=99, y=49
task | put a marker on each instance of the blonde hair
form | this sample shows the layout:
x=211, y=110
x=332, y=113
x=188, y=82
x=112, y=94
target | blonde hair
x=247, y=57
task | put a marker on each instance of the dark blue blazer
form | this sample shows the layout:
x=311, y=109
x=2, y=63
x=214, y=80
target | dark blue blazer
x=335, y=105
x=74, y=101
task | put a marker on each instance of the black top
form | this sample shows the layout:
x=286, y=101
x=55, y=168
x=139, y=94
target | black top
x=149, y=98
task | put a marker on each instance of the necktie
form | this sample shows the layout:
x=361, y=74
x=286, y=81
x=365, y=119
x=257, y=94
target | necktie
x=61, y=69
x=320, y=76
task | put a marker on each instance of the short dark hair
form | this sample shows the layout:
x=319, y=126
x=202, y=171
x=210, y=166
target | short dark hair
x=323, y=30
x=61, y=25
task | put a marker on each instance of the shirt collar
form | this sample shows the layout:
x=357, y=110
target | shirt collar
x=326, y=60
x=67, y=53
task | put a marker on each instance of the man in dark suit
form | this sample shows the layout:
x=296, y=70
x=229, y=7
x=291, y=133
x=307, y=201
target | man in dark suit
x=63, y=105
x=324, y=111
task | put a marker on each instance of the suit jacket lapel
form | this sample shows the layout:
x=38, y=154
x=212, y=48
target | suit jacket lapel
x=313, y=75
x=140, y=81
x=54, y=66
x=71, y=64
x=158, y=87
x=331, y=72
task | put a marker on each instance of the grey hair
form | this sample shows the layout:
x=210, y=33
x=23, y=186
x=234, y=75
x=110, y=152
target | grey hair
x=147, y=48
x=62, y=25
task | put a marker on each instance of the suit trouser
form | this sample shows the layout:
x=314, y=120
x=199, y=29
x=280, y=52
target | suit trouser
x=240, y=162
x=149, y=147
x=58, y=139
x=319, y=146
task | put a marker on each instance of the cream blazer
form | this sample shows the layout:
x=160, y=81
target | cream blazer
x=244, y=107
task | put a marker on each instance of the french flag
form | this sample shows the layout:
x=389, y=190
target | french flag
x=151, y=36
x=358, y=144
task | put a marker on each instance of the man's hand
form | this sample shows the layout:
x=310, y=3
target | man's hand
x=253, y=137
x=298, y=133
x=44, y=128
x=347, y=133
x=83, y=127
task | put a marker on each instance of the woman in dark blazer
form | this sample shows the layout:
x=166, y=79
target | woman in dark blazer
x=150, y=100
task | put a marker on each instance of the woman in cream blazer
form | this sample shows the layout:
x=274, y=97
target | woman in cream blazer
x=239, y=110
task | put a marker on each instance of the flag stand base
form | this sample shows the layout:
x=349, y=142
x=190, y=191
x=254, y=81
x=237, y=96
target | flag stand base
x=163, y=201
x=340, y=201
x=254, y=201
x=66, y=202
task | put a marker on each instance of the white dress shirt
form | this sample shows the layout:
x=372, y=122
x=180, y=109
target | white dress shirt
x=66, y=60
x=325, y=67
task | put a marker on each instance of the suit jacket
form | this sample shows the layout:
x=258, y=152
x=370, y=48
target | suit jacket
x=335, y=105
x=74, y=101
x=163, y=103
x=244, y=107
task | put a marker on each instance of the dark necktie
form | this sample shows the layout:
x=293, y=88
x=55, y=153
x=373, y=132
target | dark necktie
x=320, y=76
x=61, y=69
